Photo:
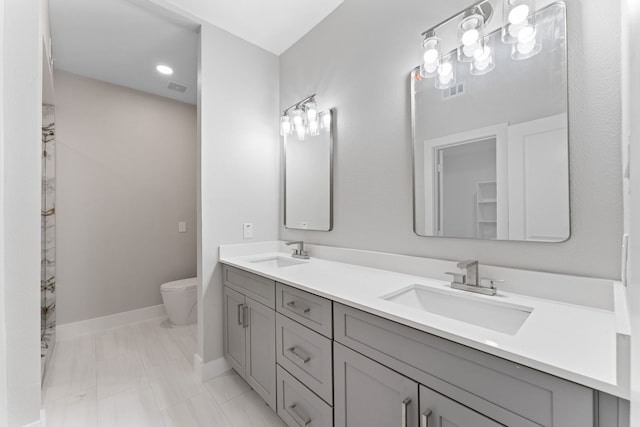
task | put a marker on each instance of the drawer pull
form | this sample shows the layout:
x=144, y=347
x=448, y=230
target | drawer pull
x=302, y=421
x=405, y=410
x=426, y=415
x=302, y=358
x=294, y=306
x=240, y=315
x=245, y=316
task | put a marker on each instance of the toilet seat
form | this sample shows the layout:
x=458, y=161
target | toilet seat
x=179, y=285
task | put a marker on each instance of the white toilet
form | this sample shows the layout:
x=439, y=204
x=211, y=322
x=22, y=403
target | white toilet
x=179, y=299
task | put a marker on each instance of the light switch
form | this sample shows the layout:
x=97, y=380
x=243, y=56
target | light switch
x=247, y=230
x=182, y=227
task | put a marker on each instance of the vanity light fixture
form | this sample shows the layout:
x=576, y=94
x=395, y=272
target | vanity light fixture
x=442, y=55
x=446, y=73
x=432, y=53
x=303, y=119
x=471, y=34
x=516, y=16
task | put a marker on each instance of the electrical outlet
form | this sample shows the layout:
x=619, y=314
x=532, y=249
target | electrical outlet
x=247, y=230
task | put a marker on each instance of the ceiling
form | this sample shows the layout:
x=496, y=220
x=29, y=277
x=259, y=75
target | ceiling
x=274, y=25
x=122, y=41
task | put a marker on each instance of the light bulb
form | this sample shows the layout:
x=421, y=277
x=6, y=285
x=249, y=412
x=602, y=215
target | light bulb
x=446, y=75
x=312, y=110
x=470, y=37
x=431, y=56
x=445, y=78
x=482, y=62
x=519, y=14
x=527, y=34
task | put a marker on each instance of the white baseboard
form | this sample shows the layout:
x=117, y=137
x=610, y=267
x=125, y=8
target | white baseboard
x=72, y=330
x=212, y=369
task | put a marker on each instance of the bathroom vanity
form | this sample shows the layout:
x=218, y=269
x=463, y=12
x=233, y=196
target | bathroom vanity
x=327, y=343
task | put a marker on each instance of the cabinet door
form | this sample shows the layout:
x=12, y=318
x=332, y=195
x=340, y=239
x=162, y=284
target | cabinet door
x=369, y=394
x=437, y=410
x=234, y=330
x=261, y=351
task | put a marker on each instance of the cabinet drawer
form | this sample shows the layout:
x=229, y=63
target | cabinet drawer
x=507, y=392
x=251, y=285
x=305, y=354
x=298, y=406
x=311, y=310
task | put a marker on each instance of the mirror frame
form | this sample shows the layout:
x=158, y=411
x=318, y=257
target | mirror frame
x=562, y=4
x=332, y=131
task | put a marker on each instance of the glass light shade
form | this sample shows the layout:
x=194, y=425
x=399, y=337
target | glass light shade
x=471, y=36
x=431, y=57
x=516, y=15
x=446, y=73
x=297, y=118
x=528, y=44
x=285, y=125
x=483, y=62
x=311, y=110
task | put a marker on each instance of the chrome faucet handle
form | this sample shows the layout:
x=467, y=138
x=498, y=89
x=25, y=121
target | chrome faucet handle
x=485, y=282
x=458, y=277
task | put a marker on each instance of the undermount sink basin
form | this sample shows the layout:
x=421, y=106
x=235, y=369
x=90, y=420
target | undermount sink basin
x=496, y=315
x=277, y=262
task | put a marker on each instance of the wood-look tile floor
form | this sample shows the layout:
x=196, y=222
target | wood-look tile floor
x=142, y=375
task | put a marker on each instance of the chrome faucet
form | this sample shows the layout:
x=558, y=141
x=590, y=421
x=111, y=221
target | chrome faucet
x=469, y=281
x=299, y=252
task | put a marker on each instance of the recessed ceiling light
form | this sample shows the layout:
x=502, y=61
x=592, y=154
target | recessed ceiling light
x=164, y=69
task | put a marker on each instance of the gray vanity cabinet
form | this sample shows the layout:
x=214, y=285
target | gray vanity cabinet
x=437, y=410
x=249, y=335
x=369, y=394
x=234, y=329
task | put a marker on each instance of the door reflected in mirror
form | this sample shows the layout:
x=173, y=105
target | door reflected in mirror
x=308, y=178
x=491, y=152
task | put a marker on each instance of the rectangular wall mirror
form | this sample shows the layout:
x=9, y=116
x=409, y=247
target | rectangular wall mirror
x=308, y=178
x=491, y=148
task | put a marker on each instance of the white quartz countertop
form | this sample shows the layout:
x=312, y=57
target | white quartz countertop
x=573, y=342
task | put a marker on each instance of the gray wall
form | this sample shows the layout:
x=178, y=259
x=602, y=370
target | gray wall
x=126, y=167
x=358, y=60
x=239, y=162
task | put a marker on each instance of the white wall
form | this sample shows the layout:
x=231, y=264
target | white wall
x=21, y=53
x=358, y=60
x=631, y=88
x=239, y=160
x=126, y=175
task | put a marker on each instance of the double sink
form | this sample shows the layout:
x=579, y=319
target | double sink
x=485, y=312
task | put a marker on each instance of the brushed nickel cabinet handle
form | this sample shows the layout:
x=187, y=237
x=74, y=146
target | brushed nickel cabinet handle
x=405, y=411
x=240, y=314
x=301, y=420
x=302, y=358
x=294, y=306
x=426, y=415
x=245, y=316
